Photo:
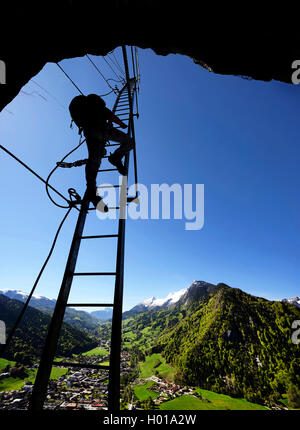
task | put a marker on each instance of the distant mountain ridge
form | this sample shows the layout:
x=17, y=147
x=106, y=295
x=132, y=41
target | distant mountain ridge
x=30, y=335
x=103, y=315
x=36, y=300
x=79, y=319
x=195, y=291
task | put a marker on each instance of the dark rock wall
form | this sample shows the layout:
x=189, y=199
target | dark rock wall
x=243, y=41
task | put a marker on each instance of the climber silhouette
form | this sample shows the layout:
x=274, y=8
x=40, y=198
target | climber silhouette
x=91, y=116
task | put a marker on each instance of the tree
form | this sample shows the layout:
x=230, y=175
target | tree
x=179, y=377
x=148, y=404
x=293, y=395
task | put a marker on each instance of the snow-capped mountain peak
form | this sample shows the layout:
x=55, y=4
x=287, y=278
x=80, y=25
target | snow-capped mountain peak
x=293, y=301
x=198, y=287
x=148, y=302
x=20, y=295
x=14, y=292
x=171, y=298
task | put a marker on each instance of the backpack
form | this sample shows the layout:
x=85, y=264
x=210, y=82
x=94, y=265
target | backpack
x=87, y=110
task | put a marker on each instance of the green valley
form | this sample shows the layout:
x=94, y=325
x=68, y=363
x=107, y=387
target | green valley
x=216, y=347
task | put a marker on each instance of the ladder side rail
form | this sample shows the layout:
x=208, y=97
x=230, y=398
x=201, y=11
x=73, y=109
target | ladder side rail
x=131, y=90
x=116, y=329
x=39, y=392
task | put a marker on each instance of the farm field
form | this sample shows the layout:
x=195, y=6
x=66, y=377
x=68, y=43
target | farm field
x=96, y=352
x=11, y=384
x=156, y=363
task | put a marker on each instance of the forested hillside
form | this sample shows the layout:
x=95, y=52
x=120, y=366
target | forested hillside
x=225, y=340
x=29, y=338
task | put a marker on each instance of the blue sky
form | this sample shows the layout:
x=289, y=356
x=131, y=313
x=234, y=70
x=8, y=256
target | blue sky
x=239, y=138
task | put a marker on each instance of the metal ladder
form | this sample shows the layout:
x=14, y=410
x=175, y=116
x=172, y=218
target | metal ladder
x=123, y=107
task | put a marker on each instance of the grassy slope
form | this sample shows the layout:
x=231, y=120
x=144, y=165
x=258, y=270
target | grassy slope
x=148, y=368
x=11, y=384
x=56, y=372
x=4, y=363
x=223, y=401
x=217, y=402
x=142, y=393
x=96, y=352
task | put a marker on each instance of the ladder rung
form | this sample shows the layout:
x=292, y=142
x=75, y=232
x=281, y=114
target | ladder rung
x=94, y=305
x=107, y=170
x=109, y=207
x=81, y=365
x=118, y=110
x=99, y=236
x=95, y=274
x=109, y=186
x=113, y=144
x=132, y=199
